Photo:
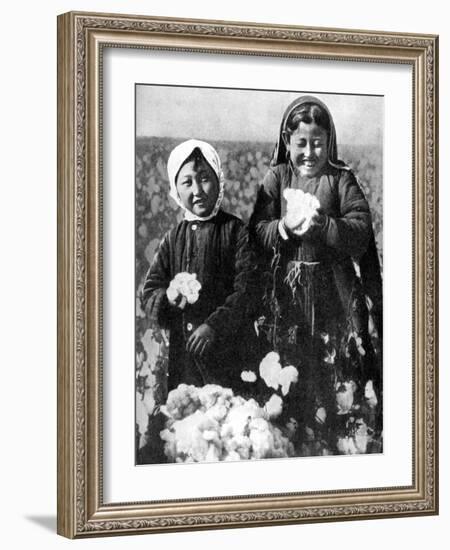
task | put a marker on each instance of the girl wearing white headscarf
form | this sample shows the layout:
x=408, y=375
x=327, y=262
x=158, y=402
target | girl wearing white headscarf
x=206, y=331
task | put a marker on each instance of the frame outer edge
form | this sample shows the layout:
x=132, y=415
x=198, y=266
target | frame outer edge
x=65, y=281
x=435, y=244
x=75, y=238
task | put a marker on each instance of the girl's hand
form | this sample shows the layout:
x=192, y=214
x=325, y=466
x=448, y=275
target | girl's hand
x=201, y=340
x=175, y=298
x=317, y=222
x=292, y=223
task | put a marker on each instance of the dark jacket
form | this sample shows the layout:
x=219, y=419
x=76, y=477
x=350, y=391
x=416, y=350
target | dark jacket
x=347, y=232
x=218, y=252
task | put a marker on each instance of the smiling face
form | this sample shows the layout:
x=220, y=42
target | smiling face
x=197, y=186
x=308, y=148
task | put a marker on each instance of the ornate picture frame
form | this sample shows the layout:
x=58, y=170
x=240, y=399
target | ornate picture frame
x=82, y=509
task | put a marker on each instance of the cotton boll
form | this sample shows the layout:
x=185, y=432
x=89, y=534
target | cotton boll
x=189, y=438
x=358, y=441
x=268, y=441
x=187, y=285
x=145, y=370
x=222, y=426
x=238, y=418
x=274, y=406
x=345, y=396
x=330, y=357
x=261, y=439
x=248, y=376
x=210, y=435
x=346, y=446
x=370, y=395
x=170, y=446
x=237, y=401
x=321, y=415
x=209, y=394
x=362, y=436
x=193, y=289
x=232, y=457
x=269, y=369
x=236, y=422
x=303, y=206
x=282, y=447
x=217, y=412
x=287, y=376
x=172, y=293
x=309, y=434
x=189, y=435
x=260, y=424
x=141, y=415
x=358, y=343
x=240, y=444
x=213, y=454
x=243, y=446
x=226, y=432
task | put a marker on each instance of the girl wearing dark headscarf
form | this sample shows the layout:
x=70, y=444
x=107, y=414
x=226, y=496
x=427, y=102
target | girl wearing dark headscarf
x=323, y=285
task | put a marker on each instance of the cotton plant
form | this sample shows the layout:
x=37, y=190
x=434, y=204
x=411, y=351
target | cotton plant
x=356, y=341
x=358, y=438
x=276, y=376
x=345, y=396
x=210, y=424
x=274, y=406
x=185, y=285
x=248, y=376
x=370, y=395
x=302, y=206
x=181, y=402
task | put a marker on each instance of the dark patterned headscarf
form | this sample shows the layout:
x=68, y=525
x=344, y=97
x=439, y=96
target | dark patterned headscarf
x=280, y=154
x=369, y=262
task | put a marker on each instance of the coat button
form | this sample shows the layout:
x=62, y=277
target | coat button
x=189, y=326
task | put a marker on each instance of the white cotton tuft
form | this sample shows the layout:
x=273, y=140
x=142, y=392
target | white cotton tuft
x=211, y=424
x=274, y=375
x=269, y=369
x=274, y=406
x=248, y=376
x=370, y=395
x=345, y=396
x=287, y=376
x=186, y=285
x=303, y=206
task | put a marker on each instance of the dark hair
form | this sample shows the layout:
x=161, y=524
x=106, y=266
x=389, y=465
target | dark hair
x=307, y=113
x=196, y=156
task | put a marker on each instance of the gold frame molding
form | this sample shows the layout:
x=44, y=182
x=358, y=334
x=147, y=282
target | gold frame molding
x=81, y=37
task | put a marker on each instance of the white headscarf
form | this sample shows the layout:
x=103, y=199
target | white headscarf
x=176, y=160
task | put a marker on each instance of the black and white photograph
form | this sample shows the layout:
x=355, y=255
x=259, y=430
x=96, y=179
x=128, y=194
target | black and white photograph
x=258, y=274
x=247, y=275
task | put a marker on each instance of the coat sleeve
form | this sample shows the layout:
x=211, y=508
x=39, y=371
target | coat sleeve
x=264, y=221
x=240, y=304
x=156, y=283
x=351, y=232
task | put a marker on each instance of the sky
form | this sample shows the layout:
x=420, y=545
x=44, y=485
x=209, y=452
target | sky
x=247, y=115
